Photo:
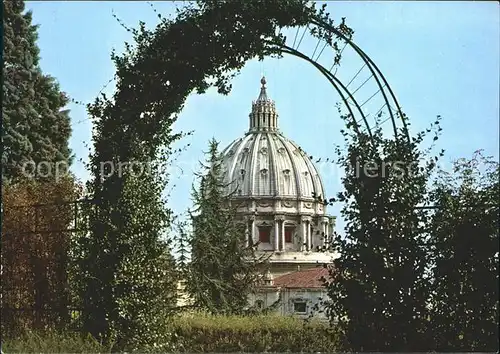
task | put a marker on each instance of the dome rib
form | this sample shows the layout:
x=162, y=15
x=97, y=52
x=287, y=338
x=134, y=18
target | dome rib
x=298, y=187
x=311, y=169
x=225, y=160
x=253, y=160
x=235, y=159
x=273, y=167
x=313, y=172
x=225, y=151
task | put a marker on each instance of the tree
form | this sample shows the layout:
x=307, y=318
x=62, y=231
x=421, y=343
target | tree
x=380, y=284
x=224, y=267
x=464, y=233
x=153, y=79
x=128, y=279
x=35, y=161
x=35, y=128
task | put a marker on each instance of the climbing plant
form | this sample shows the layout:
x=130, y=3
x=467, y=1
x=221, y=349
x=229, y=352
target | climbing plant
x=128, y=284
x=379, y=286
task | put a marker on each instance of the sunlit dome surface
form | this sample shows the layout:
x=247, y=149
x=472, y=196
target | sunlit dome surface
x=264, y=163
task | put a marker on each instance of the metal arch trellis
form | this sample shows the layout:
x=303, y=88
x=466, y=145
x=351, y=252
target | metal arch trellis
x=346, y=94
x=354, y=108
x=337, y=84
x=377, y=74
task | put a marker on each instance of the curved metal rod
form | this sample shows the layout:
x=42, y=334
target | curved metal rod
x=373, y=68
x=282, y=48
x=331, y=77
x=386, y=84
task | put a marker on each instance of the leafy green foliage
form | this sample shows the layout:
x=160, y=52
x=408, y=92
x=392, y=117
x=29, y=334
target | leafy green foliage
x=128, y=284
x=204, y=45
x=418, y=269
x=53, y=342
x=35, y=158
x=129, y=278
x=464, y=233
x=224, y=267
x=380, y=284
x=254, y=334
x=201, y=333
x=35, y=128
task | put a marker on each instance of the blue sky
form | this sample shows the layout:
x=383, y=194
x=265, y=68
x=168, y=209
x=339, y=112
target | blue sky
x=440, y=58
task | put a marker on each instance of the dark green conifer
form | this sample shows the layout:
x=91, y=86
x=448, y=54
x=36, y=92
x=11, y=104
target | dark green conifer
x=36, y=129
x=224, y=267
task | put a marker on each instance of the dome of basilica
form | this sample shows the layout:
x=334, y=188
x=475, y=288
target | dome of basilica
x=277, y=191
x=264, y=163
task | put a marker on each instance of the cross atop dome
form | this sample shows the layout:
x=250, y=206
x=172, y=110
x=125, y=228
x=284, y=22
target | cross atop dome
x=264, y=116
x=263, y=93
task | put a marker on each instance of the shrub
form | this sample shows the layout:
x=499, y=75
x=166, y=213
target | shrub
x=198, y=332
x=53, y=342
x=272, y=333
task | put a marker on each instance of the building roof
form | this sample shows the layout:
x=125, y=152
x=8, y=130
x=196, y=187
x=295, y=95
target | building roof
x=308, y=278
x=264, y=163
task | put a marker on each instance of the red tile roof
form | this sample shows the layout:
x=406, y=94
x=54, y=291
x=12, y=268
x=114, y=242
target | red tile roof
x=309, y=278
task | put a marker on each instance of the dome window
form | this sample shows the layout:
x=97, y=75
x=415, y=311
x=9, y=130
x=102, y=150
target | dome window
x=242, y=172
x=263, y=151
x=289, y=230
x=264, y=234
x=286, y=172
x=263, y=172
x=245, y=150
x=230, y=153
x=281, y=150
x=306, y=173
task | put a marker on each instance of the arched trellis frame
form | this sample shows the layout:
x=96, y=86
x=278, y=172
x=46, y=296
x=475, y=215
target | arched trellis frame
x=354, y=108
x=377, y=74
x=242, y=32
x=155, y=77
